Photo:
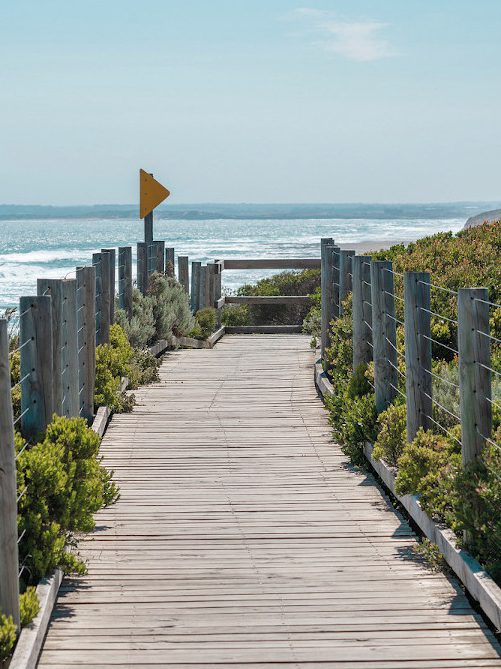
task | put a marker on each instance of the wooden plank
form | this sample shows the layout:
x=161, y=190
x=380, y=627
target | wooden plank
x=267, y=299
x=272, y=263
x=263, y=329
x=249, y=541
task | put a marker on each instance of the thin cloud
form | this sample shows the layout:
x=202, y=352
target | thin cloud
x=360, y=41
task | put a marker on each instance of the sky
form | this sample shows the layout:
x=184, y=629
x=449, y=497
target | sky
x=250, y=100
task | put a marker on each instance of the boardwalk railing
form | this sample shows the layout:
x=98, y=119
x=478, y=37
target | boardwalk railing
x=60, y=327
x=384, y=300
x=58, y=331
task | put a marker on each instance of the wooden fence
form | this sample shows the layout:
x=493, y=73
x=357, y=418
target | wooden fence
x=59, y=329
x=375, y=322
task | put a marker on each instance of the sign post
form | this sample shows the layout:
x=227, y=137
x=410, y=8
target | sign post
x=151, y=194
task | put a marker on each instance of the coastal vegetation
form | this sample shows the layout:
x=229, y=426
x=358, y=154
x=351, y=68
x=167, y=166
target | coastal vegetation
x=61, y=480
x=467, y=498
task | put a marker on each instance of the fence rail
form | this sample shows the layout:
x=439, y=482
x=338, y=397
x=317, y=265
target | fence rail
x=409, y=373
x=59, y=329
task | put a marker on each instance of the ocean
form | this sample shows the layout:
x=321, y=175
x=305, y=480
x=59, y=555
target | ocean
x=50, y=242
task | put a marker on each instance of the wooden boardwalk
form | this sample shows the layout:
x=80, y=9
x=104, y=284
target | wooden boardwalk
x=243, y=538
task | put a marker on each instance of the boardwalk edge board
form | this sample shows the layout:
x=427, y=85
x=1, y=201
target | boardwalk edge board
x=31, y=639
x=187, y=342
x=475, y=579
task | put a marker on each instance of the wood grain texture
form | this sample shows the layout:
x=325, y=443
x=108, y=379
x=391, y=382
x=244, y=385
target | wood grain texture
x=418, y=380
x=70, y=368
x=243, y=537
x=9, y=562
x=475, y=390
x=54, y=289
x=37, y=397
x=125, y=284
x=272, y=263
x=86, y=321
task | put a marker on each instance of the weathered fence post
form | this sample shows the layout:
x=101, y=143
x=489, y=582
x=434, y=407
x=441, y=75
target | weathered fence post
x=69, y=372
x=35, y=337
x=169, y=262
x=97, y=264
x=86, y=310
x=9, y=559
x=345, y=274
x=336, y=282
x=196, y=271
x=106, y=298
x=125, y=279
x=155, y=254
x=204, y=287
x=54, y=288
x=113, y=262
x=417, y=352
x=211, y=274
x=142, y=267
x=218, y=279
x=183, y=272
x=326, y=271
x=384, y=334
x=474, y=373
x=362, y=311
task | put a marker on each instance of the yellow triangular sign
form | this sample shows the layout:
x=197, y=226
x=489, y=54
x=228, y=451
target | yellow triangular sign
x=151, y=193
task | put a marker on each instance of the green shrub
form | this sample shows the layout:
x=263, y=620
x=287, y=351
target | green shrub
x=446, y=392
x=7, y=636
x=339, y=354
x=15, y=375
x=61, y=484
x=430, y=554
x=235, y=314
x=140, y=330
x=285, y=283
x=478, y=501
x=29, y=605
x=354, y=422
x=312, y=324
x=143, y=368
x=428, y=467
x=358, y=384
x=453, y=261
x=171, y=307
x=112, y=363
x=206, y=323
x=392, y=437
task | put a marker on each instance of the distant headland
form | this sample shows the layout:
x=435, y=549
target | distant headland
x=486, y=216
